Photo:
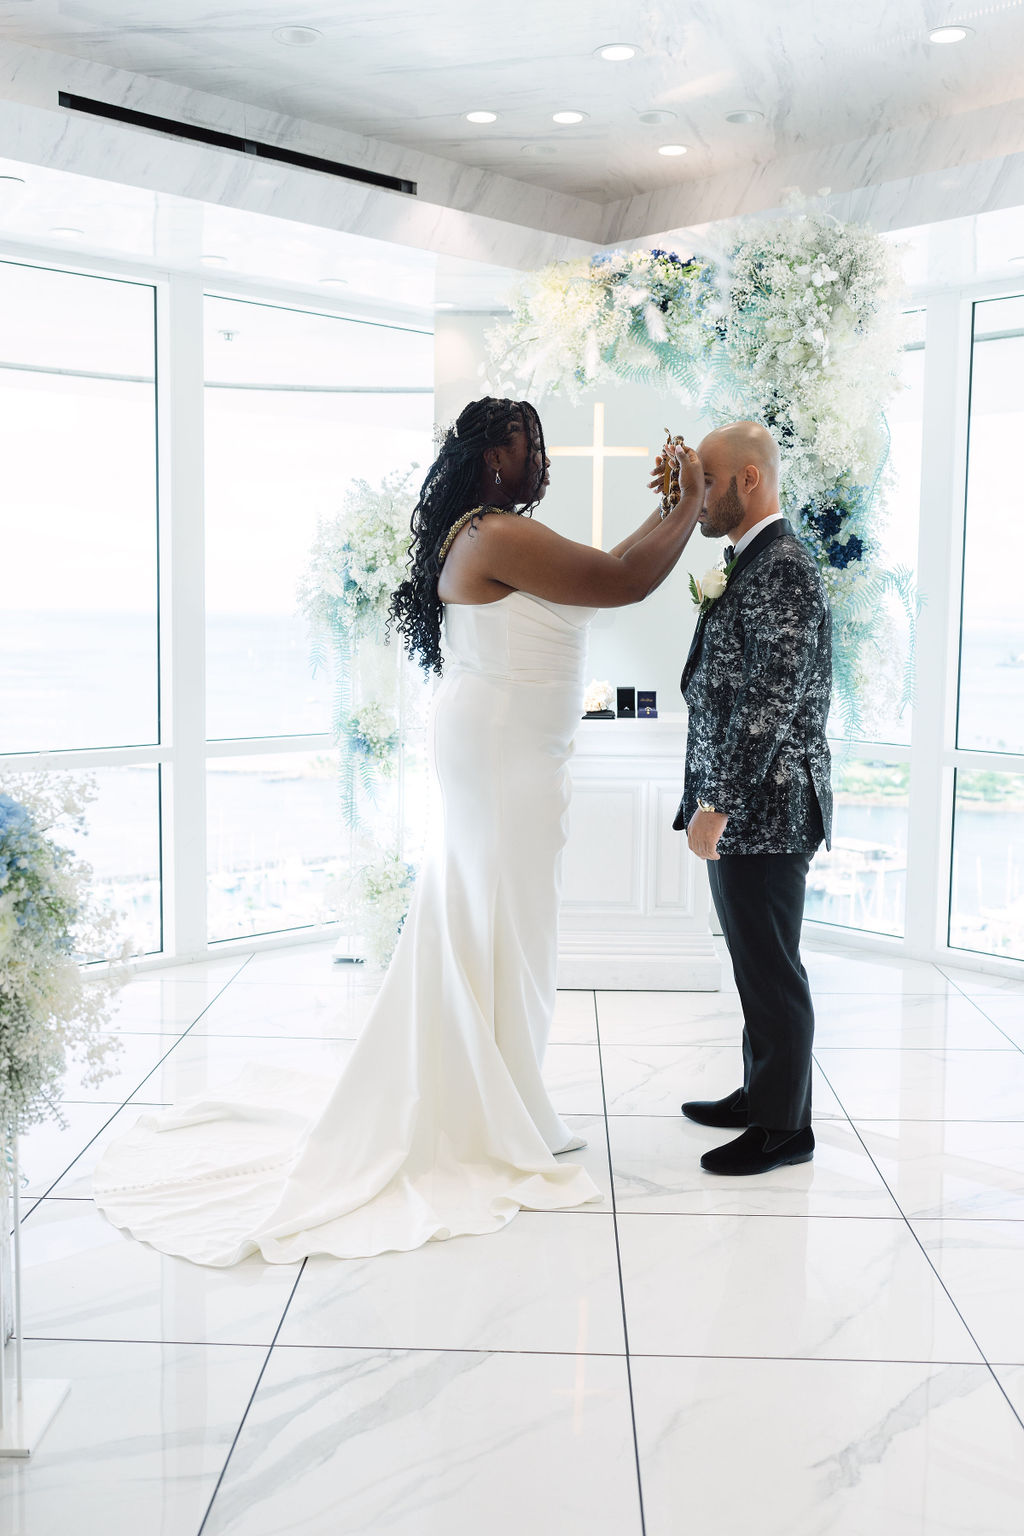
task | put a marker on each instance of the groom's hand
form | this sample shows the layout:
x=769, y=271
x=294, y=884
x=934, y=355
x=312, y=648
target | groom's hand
x=702, y=835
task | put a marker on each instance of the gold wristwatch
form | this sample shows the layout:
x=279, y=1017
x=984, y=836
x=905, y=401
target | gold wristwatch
x=705, y=805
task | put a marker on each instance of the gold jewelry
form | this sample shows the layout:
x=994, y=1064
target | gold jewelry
x=705, y=805
x=460, y=523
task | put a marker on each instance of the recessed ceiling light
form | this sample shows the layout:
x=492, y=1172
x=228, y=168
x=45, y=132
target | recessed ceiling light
x=66, y=231
x=334, y=282
x=955, y=34
x=617, y=53
x=481, y=117
x=746, y=116
x=671, y=149
x=656, y=115
x=568, y=117
x=214, y=261
x=297, y=37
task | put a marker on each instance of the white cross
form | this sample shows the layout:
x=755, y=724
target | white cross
x=598, y=452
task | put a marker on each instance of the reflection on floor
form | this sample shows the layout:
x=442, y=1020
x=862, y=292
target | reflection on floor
x=838, y=1347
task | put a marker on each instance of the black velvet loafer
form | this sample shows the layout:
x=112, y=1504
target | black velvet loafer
x=729, y=1113
x=759, y=1151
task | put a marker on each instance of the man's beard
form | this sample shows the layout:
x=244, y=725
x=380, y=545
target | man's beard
x=723, y=515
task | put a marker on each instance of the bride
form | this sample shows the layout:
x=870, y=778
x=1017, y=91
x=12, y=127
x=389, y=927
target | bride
x=440, y=1124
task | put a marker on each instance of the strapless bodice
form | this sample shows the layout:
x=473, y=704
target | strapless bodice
x=520, y=638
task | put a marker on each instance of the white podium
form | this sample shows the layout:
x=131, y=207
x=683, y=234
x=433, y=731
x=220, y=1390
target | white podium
x=635, y=902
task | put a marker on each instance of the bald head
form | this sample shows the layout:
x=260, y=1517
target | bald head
x=741, y=476
x=741, y=444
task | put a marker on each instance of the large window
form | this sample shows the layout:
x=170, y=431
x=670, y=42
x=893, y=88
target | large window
x=79, y=534
x=297, y=406
x=987, y=891
x=861, y=884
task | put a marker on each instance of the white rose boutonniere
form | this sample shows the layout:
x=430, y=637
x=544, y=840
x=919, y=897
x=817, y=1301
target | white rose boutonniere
x=711, y=586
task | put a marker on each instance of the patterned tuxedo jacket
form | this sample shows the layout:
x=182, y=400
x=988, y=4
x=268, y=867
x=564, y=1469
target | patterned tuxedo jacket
x=757, y=684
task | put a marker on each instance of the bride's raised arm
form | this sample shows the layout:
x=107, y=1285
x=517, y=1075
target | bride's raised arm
x=518, y=554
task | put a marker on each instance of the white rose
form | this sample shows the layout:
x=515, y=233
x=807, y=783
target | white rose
x=712, y=583
x=598, y=696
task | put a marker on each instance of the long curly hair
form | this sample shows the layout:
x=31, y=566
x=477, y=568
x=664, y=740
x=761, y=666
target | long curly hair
x=449, y=490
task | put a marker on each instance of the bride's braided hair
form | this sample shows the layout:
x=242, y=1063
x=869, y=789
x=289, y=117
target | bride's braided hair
x=449, y=490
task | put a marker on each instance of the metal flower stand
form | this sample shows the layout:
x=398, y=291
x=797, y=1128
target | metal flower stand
x=27, y=1408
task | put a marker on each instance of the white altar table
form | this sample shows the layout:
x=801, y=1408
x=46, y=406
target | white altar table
x=635, y=902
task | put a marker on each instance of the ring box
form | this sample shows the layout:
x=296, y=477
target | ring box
x=647, y=705
x=625, y=706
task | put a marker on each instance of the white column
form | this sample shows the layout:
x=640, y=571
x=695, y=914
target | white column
x=940, y=560
x=183, y=629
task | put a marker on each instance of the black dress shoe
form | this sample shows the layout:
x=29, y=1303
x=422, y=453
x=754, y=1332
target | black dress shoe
x=759, y=1151
x=729, y=1113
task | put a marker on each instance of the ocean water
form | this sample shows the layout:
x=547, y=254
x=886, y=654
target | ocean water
x=275, y=837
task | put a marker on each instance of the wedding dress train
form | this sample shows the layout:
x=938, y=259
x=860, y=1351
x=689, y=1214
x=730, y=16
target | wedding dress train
x=440, y=1123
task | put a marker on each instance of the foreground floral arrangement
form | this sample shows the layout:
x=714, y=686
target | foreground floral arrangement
x=48, y=1009
x=796, y=326
x=358, y=559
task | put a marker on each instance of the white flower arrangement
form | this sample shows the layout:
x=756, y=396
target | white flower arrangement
x=598, y=696
x=384, y=890
x=358, y=559
x=797, y=327
x=48, y=917
x=372, y=730
x=360, y=556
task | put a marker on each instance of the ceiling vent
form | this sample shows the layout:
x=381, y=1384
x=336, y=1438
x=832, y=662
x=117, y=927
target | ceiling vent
x=220, y=140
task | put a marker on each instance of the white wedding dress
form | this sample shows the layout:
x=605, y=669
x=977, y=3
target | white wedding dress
x=440, y=1123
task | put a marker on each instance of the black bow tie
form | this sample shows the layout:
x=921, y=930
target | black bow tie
x=730, y=553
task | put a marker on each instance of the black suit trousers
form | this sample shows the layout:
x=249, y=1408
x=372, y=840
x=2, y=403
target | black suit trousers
x=759, y=898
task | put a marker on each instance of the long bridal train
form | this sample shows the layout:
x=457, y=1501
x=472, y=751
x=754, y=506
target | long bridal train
x=440, y=1124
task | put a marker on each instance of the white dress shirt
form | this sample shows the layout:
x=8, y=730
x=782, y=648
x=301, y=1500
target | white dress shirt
x=752, y=533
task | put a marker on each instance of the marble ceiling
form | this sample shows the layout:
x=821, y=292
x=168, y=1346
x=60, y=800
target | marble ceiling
x=824, y=74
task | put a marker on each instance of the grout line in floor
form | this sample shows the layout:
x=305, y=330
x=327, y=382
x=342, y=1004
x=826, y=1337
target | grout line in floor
x=618, y=1265
x=928, y=1260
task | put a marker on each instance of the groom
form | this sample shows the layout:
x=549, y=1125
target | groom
x=757, y=800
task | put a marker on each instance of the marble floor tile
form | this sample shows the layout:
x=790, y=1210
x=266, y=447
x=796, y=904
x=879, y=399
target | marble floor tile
x=131, y=1061
x=954, y=1168
x=215, y=967
x=84, y=1279
x=820, y=1287
x=983, y=983
x=202, y=1061
x=547, y=1281
x=307, y=963
x=572, y=1075
x=908, y=1021
x=1011, y=1379
x=48, y=1149
x=669, y=1018
x=982, y=1267
x=139, y=1442
x=804, y=1448
x=161, y=1004
x=926, y=1085
x=288, y=1008
x=575, y=1019
x=655, y=1079
x=852, y=972
x=353, y=1442
x=657, y=1169
x=1006, y=1012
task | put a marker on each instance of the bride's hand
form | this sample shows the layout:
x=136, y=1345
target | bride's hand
x=691, y=471
x=656, y=481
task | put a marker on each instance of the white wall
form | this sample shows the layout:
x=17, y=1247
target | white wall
x=645, y=645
